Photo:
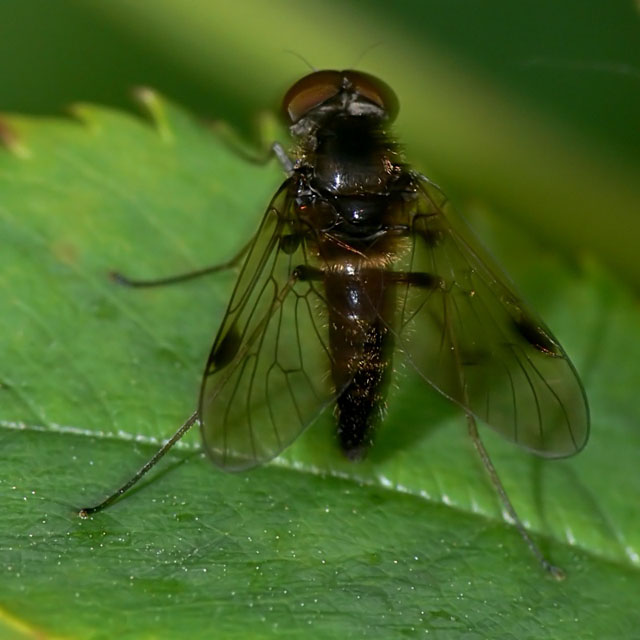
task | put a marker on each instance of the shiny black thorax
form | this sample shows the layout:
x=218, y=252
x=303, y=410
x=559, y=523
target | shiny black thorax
x=352, y=177
x=350, y=190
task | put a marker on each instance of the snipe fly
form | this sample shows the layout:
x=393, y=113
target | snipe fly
x=360, y=263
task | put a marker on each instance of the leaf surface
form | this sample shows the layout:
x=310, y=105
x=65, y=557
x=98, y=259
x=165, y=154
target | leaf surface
x=408, y=542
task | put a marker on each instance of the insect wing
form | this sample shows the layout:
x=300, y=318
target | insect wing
x=267, y=375
x=473, y=339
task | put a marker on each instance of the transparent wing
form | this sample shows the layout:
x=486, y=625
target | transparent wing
x=468, y=334
x=267, y=377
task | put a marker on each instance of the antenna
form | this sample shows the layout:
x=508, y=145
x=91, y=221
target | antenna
x=364, y=52
x=302, y=58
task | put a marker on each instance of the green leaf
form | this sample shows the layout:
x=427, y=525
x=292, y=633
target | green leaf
x=410, y=541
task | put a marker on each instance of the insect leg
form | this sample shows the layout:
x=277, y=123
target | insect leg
x=283, y=158
x=87, y=511
x=416, y=279
x=181, y=277
x=260, y=154
x=305, y=273
x=556, y=572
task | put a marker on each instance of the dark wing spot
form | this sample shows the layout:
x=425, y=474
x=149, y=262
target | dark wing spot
x=536, y=336
x=289, y=243
x=225, y=352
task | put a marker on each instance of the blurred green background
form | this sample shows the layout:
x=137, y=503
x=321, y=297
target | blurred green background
x=529, y=107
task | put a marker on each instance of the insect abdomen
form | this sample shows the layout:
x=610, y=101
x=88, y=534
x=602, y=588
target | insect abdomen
x=361, y=345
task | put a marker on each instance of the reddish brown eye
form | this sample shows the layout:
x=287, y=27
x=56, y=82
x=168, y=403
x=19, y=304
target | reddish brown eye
x=320, y=86
x=374, y=90
x=309, y=92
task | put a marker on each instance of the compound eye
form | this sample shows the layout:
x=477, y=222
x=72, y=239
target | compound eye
x=374, y=90
x=310, y=92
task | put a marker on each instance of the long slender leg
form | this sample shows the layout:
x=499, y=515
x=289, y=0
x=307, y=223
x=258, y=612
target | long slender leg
x=416, y=279
x=556, y=572
x=191, y=420
x=259, y=155
x=430, y=281
x=181, y=277
x=87, y=511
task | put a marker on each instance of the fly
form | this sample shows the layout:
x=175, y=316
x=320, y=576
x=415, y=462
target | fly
x=359, y=261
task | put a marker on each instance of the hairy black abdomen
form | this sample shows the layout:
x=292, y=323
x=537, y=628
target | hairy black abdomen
x=360, y=403
x=361, y=343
